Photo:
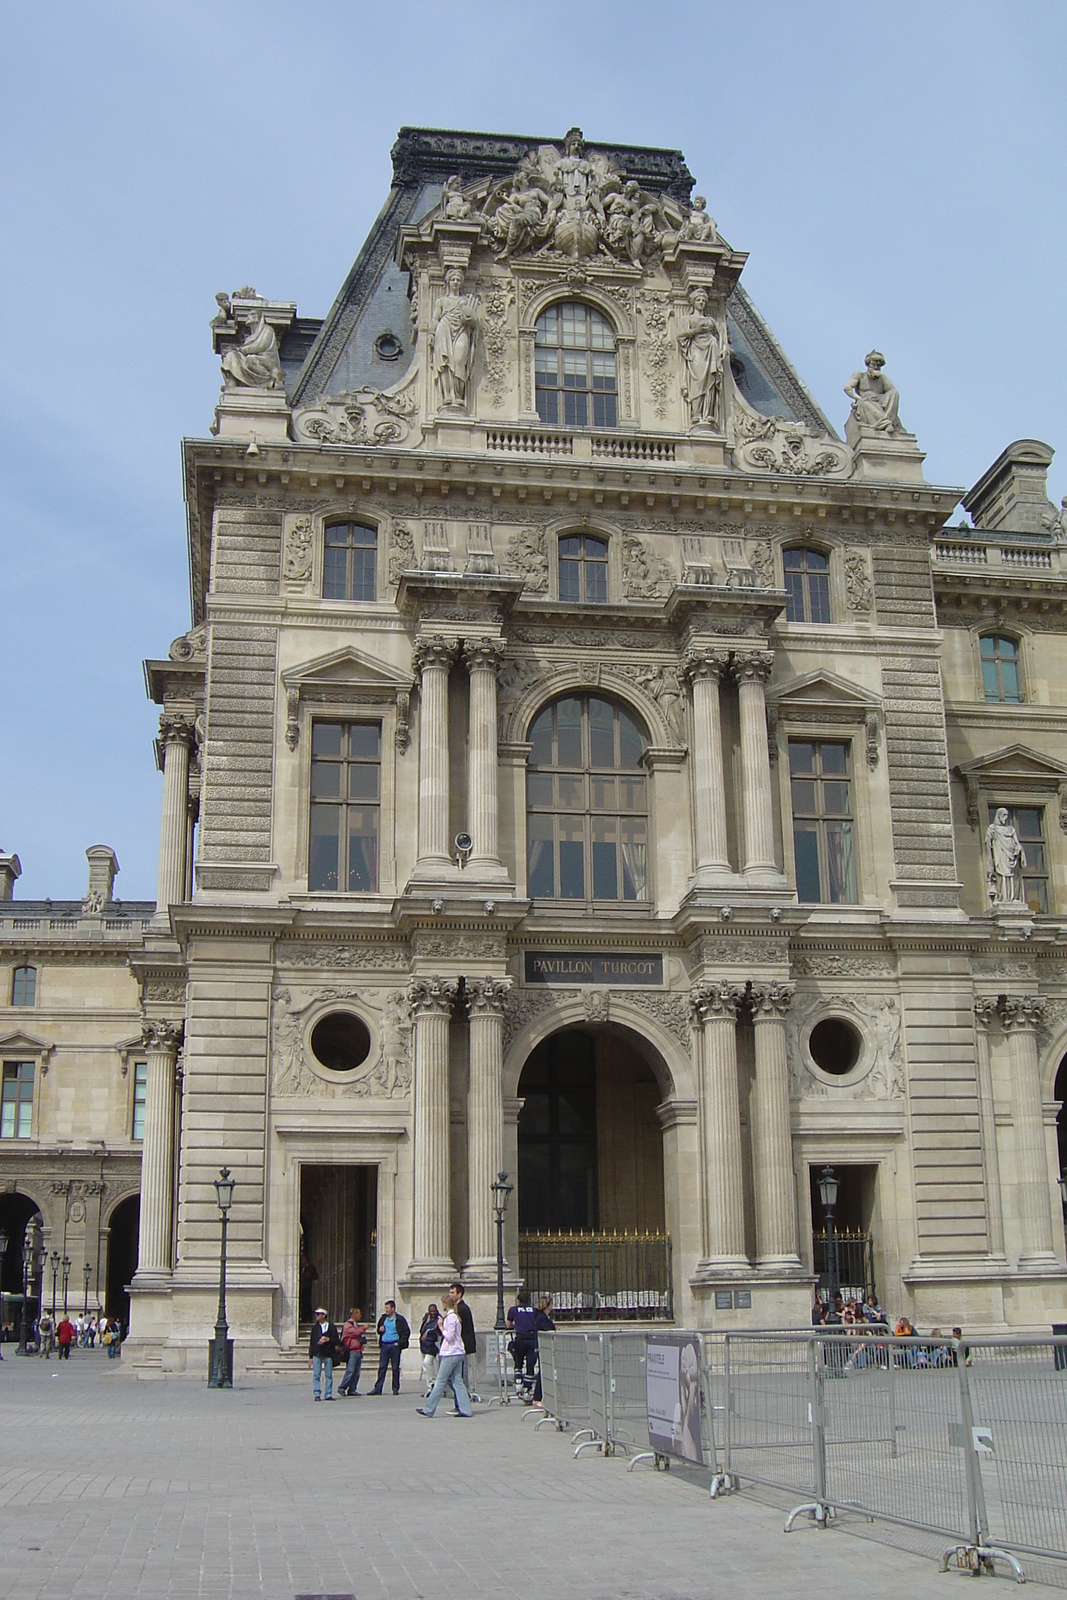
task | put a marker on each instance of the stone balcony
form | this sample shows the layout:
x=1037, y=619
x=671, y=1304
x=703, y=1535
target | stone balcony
x=985, y=564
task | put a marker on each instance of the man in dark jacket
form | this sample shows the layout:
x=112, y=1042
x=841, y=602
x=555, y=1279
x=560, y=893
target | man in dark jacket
x=320, y=1355
x=394, y=1335
x=470, y=1338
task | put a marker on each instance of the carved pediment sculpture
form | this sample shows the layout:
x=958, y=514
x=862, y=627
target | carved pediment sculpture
x=361, y=417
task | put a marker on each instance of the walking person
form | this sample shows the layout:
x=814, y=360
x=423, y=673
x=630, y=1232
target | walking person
x=65, y=1337
x=352, y=1336
x=544, y=1324
x=522, y=1320
x=394, y=1335
x=46, y=1335
x=450, y=1371
x=320, y=1355
x=90, y=1333
x=470, y=1338
x=429, y=1345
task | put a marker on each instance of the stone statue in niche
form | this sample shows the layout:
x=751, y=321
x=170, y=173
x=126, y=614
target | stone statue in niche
x=452, y=342
x=455, y=206
x=254, y=363
x=702, y=348
x=1007, y=858
x=874, y=397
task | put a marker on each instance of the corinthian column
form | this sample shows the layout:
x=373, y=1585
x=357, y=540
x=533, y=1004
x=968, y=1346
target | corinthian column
x=985, y=1011
x=431, y=1001
x=432, y=659
x=482, y=657
x=715, y=1007
x=704, y=669
x=772, y=1140
x=161, y=1040
x=176, y=734
x=485, y=1113
x=752, y=671
x=1021, y=1016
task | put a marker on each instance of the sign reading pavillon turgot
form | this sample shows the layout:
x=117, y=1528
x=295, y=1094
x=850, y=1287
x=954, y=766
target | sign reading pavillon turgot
x=570, y=967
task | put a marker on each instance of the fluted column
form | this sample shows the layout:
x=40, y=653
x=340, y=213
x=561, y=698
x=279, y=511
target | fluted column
x=432, y=659
x=715, y=1007
x=176, y=734
x=161, y=1040
x=704, y=669
x=485, y=1113
x=1021, y=1016
x=482, y=658
x=772, y=1140
x=432, y=1000
x=985, y=1011
x=752, y=671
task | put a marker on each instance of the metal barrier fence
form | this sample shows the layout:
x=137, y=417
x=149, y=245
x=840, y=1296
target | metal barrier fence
x=613, y=1276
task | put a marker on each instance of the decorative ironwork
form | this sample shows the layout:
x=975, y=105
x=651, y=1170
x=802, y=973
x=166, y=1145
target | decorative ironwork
x=855, y=1263
x=616, y=1277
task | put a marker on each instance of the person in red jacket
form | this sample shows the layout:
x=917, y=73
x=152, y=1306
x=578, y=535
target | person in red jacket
x=65, y=1337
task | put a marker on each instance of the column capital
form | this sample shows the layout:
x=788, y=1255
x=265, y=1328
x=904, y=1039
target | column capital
x=770, y=1001
x=487, y=996
x=710, y=1002
x=985, y=1010
x=433, y=650
x=433, y=997
x=1021, y=1012
x=157, y=1034
x=704, y=661
x=753, y=666
x=176, y=728
x=484, y=655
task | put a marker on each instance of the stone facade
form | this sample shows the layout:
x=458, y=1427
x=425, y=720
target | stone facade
x=463, y=506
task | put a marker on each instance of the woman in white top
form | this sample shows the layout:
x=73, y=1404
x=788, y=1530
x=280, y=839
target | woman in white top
x=450, y=1371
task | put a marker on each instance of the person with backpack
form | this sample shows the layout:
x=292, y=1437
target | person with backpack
x=522, y=1320
x=429, y=1344
x=394, y=1335
x=321, y=1351
x=470, y=1338
x=352, y=1336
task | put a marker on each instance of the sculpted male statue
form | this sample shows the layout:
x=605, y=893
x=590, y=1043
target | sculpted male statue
x=874, y=398
x=1006, y=860
x=452, y=341
x=698, y=226
x=702, y=348
x=254, y=362
x=455, y=205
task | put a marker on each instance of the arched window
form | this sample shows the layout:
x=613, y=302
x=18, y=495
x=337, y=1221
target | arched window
x=1000, y=668
x=587, y=803
x=583, y=568
x=575, y=367
x=349, y=561
x=24, y=986
x=807, y=582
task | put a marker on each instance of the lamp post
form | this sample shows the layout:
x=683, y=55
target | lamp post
x=66, y=1280
x=1063, y=1187
x=828, y=1187
x=27, y=1279
x=3, y=1257
x=220, y=1349
x=55, y=1274
x=501, y=1195
x=87, y=1272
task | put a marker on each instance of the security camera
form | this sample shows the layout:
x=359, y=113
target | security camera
x=464, y=846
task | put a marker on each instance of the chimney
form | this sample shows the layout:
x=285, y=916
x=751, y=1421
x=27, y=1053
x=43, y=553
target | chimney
x=1011, y=496
x=10, y=869
x=103, y=865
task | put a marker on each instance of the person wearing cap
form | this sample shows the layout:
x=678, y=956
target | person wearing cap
x=320, y=1355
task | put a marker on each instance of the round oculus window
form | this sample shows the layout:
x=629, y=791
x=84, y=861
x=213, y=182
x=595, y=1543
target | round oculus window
x=340, y=1042
x=835, y=1046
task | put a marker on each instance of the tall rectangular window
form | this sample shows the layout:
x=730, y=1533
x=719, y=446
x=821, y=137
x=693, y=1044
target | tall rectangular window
x=24, y=986
x=350, y=557
x=1000, y=669
x=16, y=1100
x=822, y=822
x=345, y=805
x=807, y=583
x=1028, y=822
x=140, y=1097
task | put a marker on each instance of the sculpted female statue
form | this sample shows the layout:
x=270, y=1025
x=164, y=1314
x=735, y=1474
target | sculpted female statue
x=1006, y=860
x=452, y=341
x=874, y=398
x=702, y=349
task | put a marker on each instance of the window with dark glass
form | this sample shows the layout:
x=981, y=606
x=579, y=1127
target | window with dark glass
x=349, y=561
x=140, y=1097
x=1028, y=822
x=345, y=803
x=24, y=986
x=587, y=803
x=822, y=822
x=807, y=583
x=574, y=367
x=1000, y=668
x=583, y=568
x=16, y=1100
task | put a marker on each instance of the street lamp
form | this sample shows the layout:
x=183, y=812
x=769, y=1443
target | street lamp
x=66, y=1280
x=3, y=1256
x=27, y=1280
x=1063, y=1186
x=220, y=1349
x=55, y=1274
x=501, y=1195
x=828, y=1187
x=87, y=1272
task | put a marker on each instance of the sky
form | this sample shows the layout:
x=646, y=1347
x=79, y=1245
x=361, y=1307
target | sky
x=896, y=173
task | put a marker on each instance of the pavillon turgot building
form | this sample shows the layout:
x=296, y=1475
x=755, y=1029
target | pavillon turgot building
x=582, y=764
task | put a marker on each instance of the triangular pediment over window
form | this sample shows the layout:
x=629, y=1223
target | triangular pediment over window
x=344, y=670
x=1015, y=773
x=822, y=694
x=25, y=1047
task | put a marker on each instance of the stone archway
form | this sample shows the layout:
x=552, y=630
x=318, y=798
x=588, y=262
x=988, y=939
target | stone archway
x=17, y=1212
x=122, y=1238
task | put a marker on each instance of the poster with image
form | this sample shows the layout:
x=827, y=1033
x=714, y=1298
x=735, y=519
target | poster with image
x=672, y=1382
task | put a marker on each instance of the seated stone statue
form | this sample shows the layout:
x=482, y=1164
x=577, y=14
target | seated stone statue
x=254, y=363
x=874, y=398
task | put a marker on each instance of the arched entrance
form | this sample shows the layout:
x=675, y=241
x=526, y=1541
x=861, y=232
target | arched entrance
x=17, y=1211
x=592, y=1216
x=122, y=1233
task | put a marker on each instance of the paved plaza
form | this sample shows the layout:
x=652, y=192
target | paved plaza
x=167, y=1491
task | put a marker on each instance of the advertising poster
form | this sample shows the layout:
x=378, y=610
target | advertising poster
x=672, y=1379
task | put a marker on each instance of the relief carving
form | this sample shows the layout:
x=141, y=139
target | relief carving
x=653, y=308
x=401, y=553
x=386, y=1076
x=497, y=300
x=859, y=594
x=644, y=576
x=879, y=1017
x=299, y=552
x=376, y=958
x=527, y=557
x=363, y=417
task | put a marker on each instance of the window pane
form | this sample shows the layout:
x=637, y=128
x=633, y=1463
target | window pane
x=326, y=780
x=833, y=757
x=792, y=560
x=24, y=986
x=325, y=845
x=794, y=605
x=801, y=756
x=364, y=740
x=634, y=859
x=334, y=571
x=631, y=794
x=570, y=793
x=595, y=549
x=603, y=794
x=990, y=682
x=362, y=535
x=631, y=744
x=571, y=546
x=569, y=733
x=326, y=739
x=542, y=882
x=1028, y=822
x=337, y=534
x=605, y=859
x=362, y=849
x=548, y=406
x=839, y=862
x=570, y=581
x=363, y=563
x=804, y=797
x=1009, y=673
x=818, y=598
x=539, y=789
x=814, y=560
x=835, y=798
x=601, y=734
x=988, y=648
x=571, y=858
x=362, y=781
x=541, y=740
x=806, y=851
